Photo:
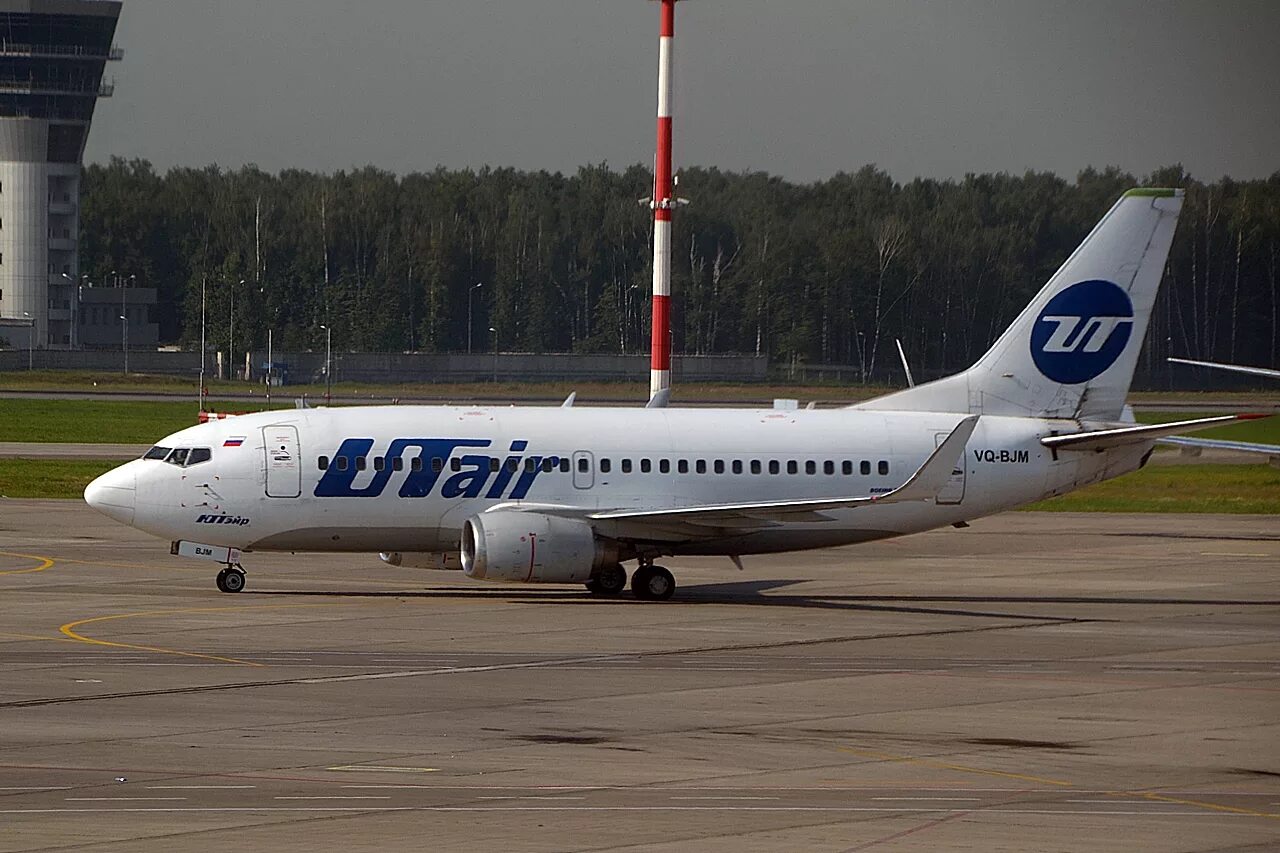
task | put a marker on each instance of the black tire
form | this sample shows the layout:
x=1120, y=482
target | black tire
x=230, y=580
x=653, y=583
x=610, y=580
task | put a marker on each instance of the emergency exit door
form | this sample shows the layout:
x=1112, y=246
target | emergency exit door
x=283, y=461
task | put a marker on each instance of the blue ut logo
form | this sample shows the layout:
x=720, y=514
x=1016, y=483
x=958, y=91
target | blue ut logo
x=465, y=476
x=1082, y=331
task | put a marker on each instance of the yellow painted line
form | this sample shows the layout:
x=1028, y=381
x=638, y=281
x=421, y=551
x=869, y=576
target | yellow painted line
x=374, y=768
x=69, y=629
x=14, y=636
x=45, y=563
x=1161, y=798
x=929, y=762
x=1217, y=807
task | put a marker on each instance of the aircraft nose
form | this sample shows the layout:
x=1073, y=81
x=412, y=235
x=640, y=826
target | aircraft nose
x=114, y=494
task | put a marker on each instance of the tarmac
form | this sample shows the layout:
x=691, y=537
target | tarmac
x=1039, y=681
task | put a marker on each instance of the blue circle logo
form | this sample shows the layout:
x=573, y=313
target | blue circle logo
x=1082, y=331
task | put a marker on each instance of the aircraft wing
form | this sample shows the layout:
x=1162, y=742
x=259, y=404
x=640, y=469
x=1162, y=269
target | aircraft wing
x=1235, y=368
x=924, y=484
x=1119, y=436
x=1197, y=444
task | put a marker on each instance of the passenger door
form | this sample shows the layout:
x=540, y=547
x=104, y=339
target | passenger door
x=283, y=461
x=953, y=491
x=584, y=467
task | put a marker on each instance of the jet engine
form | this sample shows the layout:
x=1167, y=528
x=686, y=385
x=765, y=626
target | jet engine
x=529, y=547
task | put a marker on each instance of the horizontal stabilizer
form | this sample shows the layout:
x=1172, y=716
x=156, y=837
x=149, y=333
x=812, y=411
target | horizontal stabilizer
x=1107, y=438
x=1234, y=368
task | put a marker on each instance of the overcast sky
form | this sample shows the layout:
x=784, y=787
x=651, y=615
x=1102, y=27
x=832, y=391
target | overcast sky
x=800, y=88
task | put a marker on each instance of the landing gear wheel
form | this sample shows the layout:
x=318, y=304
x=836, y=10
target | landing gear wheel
x=653, y=583
x=231, y=580
x=610, y=580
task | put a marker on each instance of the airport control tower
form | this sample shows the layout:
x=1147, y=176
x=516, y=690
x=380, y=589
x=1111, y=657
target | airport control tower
x=52, y=57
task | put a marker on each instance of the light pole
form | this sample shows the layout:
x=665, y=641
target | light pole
x=328, y=362
x=31, y=339
x=470, y=325
x=495, y=353
x=124, y=342
x=231, y=331
x=203, y=281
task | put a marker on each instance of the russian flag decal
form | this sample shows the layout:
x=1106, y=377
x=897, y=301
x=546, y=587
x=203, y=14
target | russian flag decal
x=234, y=441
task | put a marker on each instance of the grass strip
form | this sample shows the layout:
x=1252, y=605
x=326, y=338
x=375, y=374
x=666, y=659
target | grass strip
x=1238, y=489
x=49, y=478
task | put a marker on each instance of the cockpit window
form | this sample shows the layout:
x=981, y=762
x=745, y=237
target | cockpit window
x=183, y=457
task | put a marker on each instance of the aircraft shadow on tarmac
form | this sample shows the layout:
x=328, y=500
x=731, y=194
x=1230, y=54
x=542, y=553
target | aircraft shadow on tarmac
x=761, y=593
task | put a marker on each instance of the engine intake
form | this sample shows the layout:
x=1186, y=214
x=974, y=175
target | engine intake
x=529, y=547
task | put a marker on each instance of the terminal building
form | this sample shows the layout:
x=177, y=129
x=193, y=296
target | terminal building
x=53, y=54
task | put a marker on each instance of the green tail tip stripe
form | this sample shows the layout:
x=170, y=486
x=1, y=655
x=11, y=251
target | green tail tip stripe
x=1152, y=192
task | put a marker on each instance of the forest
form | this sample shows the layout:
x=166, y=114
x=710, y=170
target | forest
x=829, y=272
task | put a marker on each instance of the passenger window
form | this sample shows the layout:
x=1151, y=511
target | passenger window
x=884, y=466
x=645, y=466
x=719, y=466
x=455, y=464
x=198, y=455
x=513, y=465
x=582, y=465
x=792, y=467
x=811, y=467
x=605, y=466
x=361, y=463
x=530, y=464
x=323, y=462
x=564, y=465
x=548, y=464
x=828, y=467
x=495, y=464
x=737, y=466
x=437, y=464
x=341, y=463
x=379, y=463
x=397, y=464
x=664, y=466
x=415, y=464
x=682, y=466
x=865, y=467
x=774, y=467
x=626, y=466
x=755, y=466
x=700, y=466
x=846, y=467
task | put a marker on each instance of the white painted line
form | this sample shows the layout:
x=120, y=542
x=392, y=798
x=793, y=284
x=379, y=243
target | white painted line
x=116, y=799
x=34, y=788
x=373, y=768
x=333, y=798
x=726, y=798
x=941, y=799
x=550, y=798
x=1197, y=813
x=1232, y=554
x=196, y=787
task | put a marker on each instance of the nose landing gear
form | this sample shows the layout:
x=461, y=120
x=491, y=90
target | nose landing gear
x=231, y=578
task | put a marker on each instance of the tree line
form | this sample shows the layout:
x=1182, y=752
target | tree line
x=829, y=272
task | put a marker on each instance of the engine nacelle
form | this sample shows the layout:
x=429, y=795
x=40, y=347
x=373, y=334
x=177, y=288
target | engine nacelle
x=421, y=559
x=529, y=547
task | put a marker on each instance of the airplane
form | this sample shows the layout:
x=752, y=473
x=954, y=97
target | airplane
x=567, y=495
x=1194, y=446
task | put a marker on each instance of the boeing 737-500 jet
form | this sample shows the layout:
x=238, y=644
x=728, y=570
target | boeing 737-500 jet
x=569, y=495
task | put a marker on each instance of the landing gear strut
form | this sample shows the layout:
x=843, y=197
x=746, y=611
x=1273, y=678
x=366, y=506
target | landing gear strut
x=610, y=580
x=652, y=583
x=231, y=579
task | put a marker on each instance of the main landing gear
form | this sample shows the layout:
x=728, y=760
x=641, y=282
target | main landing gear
x=648, y=582
x=231, y=579
x=652, y=583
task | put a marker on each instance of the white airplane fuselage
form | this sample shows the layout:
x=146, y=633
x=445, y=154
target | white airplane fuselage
x=263, y=489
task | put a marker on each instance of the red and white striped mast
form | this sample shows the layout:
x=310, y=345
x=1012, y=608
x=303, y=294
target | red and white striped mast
x=662, y=202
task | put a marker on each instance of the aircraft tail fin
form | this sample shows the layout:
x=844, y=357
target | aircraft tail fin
x=1072, y=351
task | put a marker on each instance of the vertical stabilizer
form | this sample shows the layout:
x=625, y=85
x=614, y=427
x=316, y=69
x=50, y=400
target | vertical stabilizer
x=1072, y=351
